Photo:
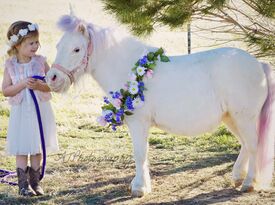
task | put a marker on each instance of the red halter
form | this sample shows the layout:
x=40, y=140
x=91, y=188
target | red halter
x=78, y=68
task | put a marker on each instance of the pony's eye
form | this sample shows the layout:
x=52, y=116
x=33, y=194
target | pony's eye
x=76, y=50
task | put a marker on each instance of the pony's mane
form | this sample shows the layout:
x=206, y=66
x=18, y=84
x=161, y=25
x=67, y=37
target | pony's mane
x=68, y=23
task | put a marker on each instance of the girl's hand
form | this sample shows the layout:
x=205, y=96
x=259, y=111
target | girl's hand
x=34, y=84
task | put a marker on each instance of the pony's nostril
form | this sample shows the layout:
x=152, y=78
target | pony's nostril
x=54, y=77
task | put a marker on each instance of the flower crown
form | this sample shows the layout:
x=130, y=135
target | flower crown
x=22, y=32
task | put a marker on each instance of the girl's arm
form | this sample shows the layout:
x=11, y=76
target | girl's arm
x=10, y=90
x=39, y=84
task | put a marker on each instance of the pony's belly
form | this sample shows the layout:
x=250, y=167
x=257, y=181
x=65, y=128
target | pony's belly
x=188, y=113
x=188, y=124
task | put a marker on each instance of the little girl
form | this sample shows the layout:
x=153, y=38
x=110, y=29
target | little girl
x=23, y=137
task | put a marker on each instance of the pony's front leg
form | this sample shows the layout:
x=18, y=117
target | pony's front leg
x=141, y=184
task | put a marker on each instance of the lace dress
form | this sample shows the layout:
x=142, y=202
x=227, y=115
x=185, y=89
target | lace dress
x=23, y=137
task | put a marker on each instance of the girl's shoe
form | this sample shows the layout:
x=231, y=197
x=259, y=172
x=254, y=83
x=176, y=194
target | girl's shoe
x=34, y=181
x=23, y=184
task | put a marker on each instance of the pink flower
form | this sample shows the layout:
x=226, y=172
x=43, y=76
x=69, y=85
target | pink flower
x=125, y=86
x=133, y=77
x=101, y=120
x=149, y=74
x=117, y=103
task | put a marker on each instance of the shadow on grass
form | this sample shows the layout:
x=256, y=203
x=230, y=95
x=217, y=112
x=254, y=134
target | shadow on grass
x=14, y=200
x=115, y=190
x=197, y=164
x=206, y=198
x=119, y=193
x=93, y=194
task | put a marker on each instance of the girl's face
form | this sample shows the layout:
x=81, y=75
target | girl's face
x=28, y=47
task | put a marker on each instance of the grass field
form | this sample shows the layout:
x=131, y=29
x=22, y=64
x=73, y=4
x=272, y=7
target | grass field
x=95, y=165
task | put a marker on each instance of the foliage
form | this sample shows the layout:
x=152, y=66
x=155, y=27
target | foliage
x=251, y=21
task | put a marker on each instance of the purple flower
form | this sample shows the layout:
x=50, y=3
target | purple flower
x=142, y=97
x=108, y=115
x=141, y=84
x=143, y=61
x=116, y=95
x=106, y=100
x=114, y=127
x=120, y=112
x=129, y=103
x=141, y=87
x=118, y=119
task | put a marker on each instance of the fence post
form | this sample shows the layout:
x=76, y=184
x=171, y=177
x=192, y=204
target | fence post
x=189, y=37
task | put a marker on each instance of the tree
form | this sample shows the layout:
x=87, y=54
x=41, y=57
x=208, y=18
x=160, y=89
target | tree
x=251, y=21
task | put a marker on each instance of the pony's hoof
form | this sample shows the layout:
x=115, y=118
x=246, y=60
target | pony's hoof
x=247, y=188
x=238, y=183
x=138, y=193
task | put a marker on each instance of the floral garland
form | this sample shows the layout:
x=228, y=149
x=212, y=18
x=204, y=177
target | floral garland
x=127, y=99
x=22, y=32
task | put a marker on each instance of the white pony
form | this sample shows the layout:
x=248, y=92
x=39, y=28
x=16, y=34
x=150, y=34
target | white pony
x=189, y=95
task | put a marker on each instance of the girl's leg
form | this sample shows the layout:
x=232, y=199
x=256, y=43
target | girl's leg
x=22, y=175
x=35, y=174
x=36, y=161
x=22, y=161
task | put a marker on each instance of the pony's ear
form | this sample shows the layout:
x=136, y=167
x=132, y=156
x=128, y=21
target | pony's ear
x=71, y=10
x=82, y=28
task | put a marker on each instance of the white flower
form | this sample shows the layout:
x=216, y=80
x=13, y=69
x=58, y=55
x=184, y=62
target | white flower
x=23, y=32
x=133, y=89
x=33, y=27
x=138, y=103
x=140, y=70
x=134, y=83
x=13, y=38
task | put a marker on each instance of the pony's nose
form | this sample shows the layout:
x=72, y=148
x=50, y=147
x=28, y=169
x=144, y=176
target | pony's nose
x=53, y=77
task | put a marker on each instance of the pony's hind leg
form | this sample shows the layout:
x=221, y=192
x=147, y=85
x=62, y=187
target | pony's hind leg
x=248, y=134
x=241, y=165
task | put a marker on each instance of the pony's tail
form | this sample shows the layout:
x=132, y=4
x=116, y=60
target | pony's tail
x=266, y=133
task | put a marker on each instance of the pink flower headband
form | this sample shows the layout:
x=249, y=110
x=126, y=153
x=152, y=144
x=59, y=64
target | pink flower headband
x=22, y=32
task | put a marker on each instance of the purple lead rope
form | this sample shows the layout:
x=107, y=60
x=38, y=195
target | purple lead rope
x=5, y=174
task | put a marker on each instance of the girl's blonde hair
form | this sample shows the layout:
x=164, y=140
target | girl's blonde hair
x=14, y=30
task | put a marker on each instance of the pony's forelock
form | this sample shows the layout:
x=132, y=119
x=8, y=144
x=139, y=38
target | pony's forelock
x=68, y=23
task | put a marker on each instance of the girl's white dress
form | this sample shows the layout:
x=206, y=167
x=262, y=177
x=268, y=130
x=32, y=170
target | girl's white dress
x=23, y=137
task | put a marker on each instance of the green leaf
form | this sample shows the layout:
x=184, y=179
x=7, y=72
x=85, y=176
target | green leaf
x=128, y=113
x=122, y=91
x=150, y=56
x=152, y=66
x=164, y=58
x=159, y=52
x=108, y=107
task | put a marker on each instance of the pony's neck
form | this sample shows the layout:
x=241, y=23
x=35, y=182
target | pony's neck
x=113, y=58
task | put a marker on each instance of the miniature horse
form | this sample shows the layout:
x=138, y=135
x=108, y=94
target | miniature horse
x=189, y=95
